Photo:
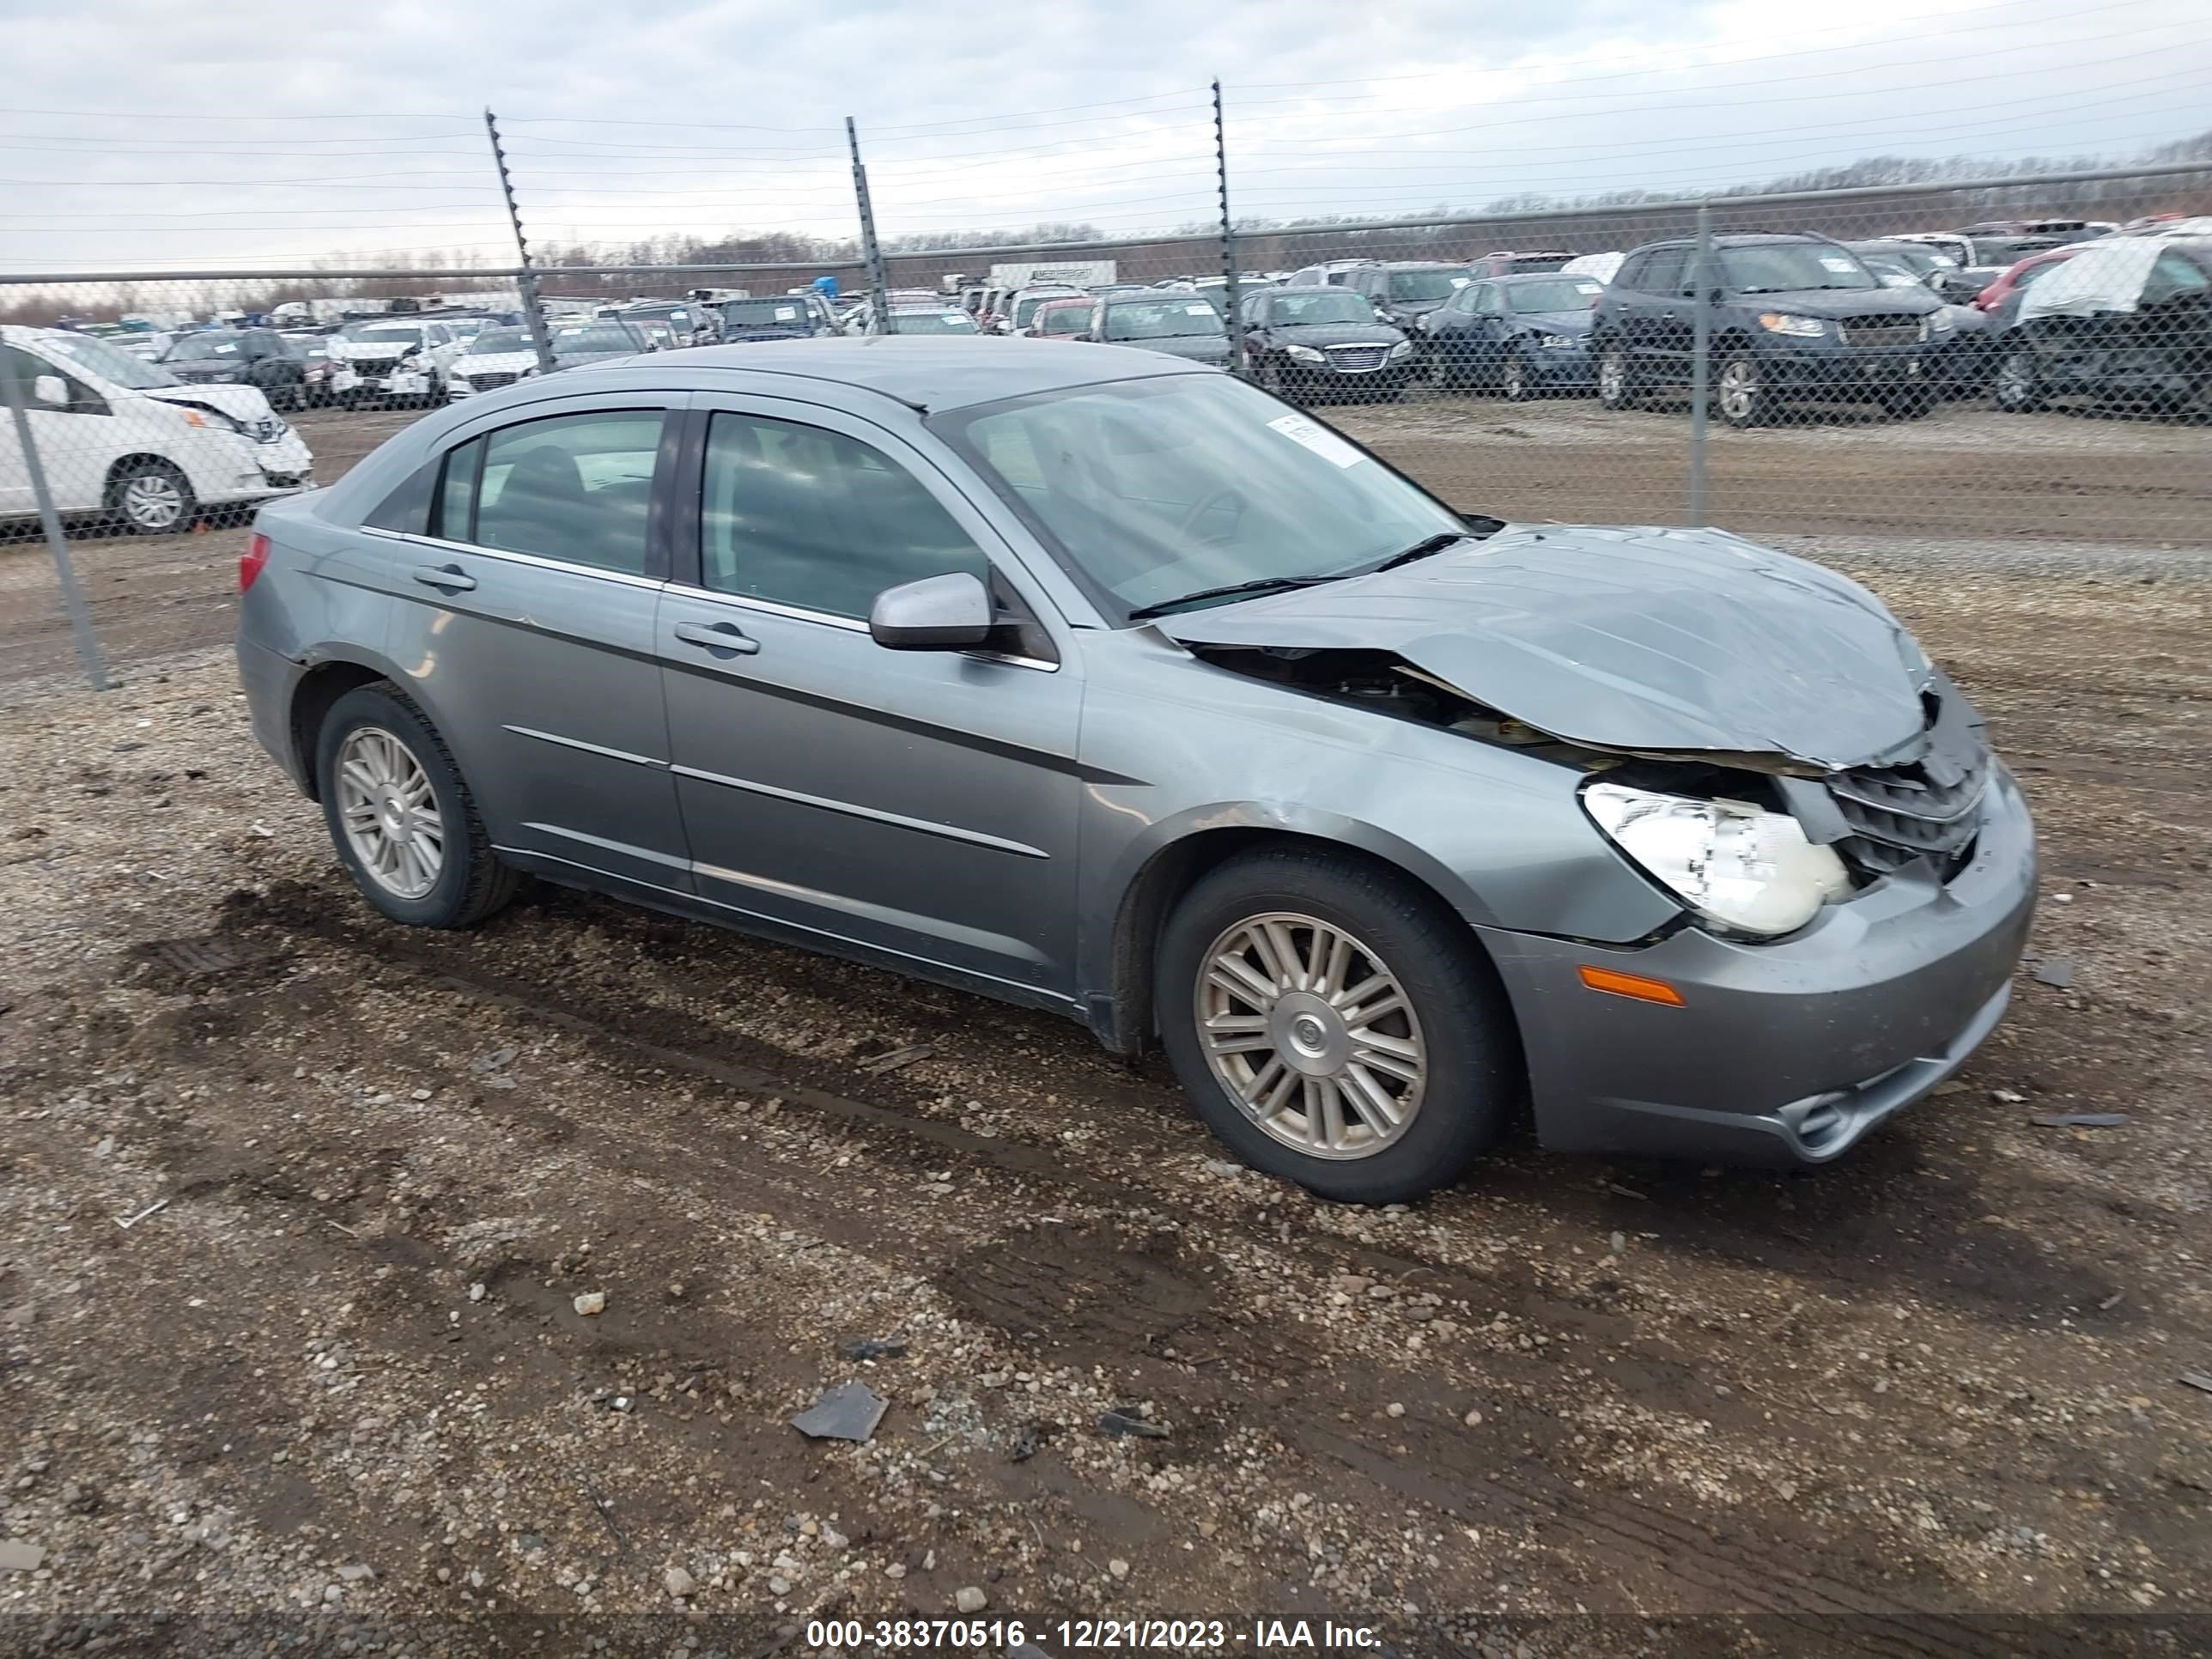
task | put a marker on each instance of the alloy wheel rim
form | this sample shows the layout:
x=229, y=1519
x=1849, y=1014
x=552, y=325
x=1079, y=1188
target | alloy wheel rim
x=2012, y=379
x=153, y=500
x=1613, y=374
x=1738, y=386
x=1312, y=1035
x=390, y=813
x=1516, y=379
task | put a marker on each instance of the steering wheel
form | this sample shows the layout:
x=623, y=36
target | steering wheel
x=1204, y=504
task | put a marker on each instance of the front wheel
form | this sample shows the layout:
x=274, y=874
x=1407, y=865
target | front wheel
x=152, y=498
x=1741, y=391
x=404, y=824
x=1513, y=382
x=1334, y=1025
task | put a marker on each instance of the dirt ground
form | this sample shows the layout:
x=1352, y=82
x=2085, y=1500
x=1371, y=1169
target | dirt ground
x=332, y=1385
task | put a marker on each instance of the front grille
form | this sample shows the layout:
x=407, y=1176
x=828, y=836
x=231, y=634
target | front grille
x=1899, y=813
x=1881, y=330
x=1358, y=359
x=491, y=382
x=267, y=430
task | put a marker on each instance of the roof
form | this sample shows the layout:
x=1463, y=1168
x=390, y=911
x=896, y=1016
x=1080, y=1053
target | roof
x=931, y=372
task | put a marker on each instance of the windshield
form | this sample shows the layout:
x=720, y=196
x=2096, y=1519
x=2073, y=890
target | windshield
x=1156, y=488
x=1793, y=268
x=1064, y=319
x=932, y=322
x=1427, y=284
x=118, y=367
x=787, y=312
x=1916, y=256
x=604, y=336
x=1297, y=307
x=498, y=342
x=1568, y=294
x=381, y=334
x=197, y=346
x=1161, y=320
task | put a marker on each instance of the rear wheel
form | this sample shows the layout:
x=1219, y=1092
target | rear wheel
x=1334, y=1025
x=403, y=823
x=151, y=498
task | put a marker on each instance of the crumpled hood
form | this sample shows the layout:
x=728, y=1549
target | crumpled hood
x=245, y=403
x=1643, y=639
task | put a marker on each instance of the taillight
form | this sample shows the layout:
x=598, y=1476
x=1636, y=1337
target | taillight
x=253, y=561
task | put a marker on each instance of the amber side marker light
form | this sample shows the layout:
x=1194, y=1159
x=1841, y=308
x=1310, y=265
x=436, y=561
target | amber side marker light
x=1632, y=985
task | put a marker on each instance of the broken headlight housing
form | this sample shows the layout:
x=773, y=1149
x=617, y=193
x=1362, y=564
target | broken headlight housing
x=1734, y=864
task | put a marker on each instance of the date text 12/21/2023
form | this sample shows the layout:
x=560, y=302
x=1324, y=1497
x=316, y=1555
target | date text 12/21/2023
x=1259, y=1635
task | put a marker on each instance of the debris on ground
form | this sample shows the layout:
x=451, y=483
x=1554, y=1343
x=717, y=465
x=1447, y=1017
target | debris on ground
x=970, y=1598
x=2197, y=1380
x=2079, y=1120
x=899, y=1057
x=591, y=1303
x=1131, y=1421
x=2056, y=971
x=17, y=1556
x=861, y=1349
x=848, y=1411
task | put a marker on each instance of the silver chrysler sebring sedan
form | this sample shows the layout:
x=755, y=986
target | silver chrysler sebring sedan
x=1101, y=682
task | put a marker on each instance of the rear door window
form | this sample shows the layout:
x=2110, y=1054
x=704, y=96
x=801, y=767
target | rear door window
x=576, y=488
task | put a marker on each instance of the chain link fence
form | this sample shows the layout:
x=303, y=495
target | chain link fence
x=1903, y=372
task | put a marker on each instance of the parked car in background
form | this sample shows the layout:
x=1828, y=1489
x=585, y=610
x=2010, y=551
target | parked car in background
x=317, y=372
x=2127, y=322
x=1600, y=265
x=1790, y=319
x=146, y=346
x=1997, y=298
x=1021, y=305
x=688, y=322
x=1307, y=343
x=1519, y=337
x=939, y=319
x=1387, y=823
x=582, y=345
x=778, y=317
x=392, y=360
x=127, y=441
x=1920, y=260
x=1063, y=319
x=258, y=357
x=1403, y=291
x=495, y=358
x=1180, y=325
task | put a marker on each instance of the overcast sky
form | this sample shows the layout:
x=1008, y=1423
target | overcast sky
x=158, y=136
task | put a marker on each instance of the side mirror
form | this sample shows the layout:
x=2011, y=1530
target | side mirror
x=952, y=612
x=51, y=389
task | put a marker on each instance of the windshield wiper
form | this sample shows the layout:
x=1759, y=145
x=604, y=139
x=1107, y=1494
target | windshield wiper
x=1420, y=549
x=1257, y=585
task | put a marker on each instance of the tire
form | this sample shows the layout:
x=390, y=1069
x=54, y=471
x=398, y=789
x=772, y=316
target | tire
x=1741, y=392
x=1271, y=376
x=1457, y=1028
x=469, y=882
x=1618, y=386
x=151, y=498
x=2017, y=388
x=1513, y=382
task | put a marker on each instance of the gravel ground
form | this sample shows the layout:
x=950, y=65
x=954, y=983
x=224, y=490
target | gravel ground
x=339, y=1380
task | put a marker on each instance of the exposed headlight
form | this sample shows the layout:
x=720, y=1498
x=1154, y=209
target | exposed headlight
x=1783, y=322
x=1401, y=348
x=1562, y=342
x=1730, y=861
x=1307, y=354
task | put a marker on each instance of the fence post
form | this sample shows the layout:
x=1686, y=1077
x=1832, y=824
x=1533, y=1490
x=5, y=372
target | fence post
x=1228, y=237
x=526, y=279
x=1701, y=343
x=80, y=621
x=871, y=251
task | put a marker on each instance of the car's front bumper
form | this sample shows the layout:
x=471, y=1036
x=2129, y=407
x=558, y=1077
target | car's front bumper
x=1784, y=1053
x=1828, y=370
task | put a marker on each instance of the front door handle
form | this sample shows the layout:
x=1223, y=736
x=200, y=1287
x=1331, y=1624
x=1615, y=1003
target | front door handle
x=723, y=639
x=450, y=577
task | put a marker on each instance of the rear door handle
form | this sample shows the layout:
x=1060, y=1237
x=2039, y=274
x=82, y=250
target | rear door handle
x=724, y=638
x=450, y=577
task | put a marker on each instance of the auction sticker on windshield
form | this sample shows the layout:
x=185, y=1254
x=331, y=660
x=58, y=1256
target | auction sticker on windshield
x=1318, y=438
x=1842, y=267
x=1201, y=309
x=786, y=313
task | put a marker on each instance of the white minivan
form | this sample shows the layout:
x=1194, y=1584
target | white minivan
x=126, y=439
